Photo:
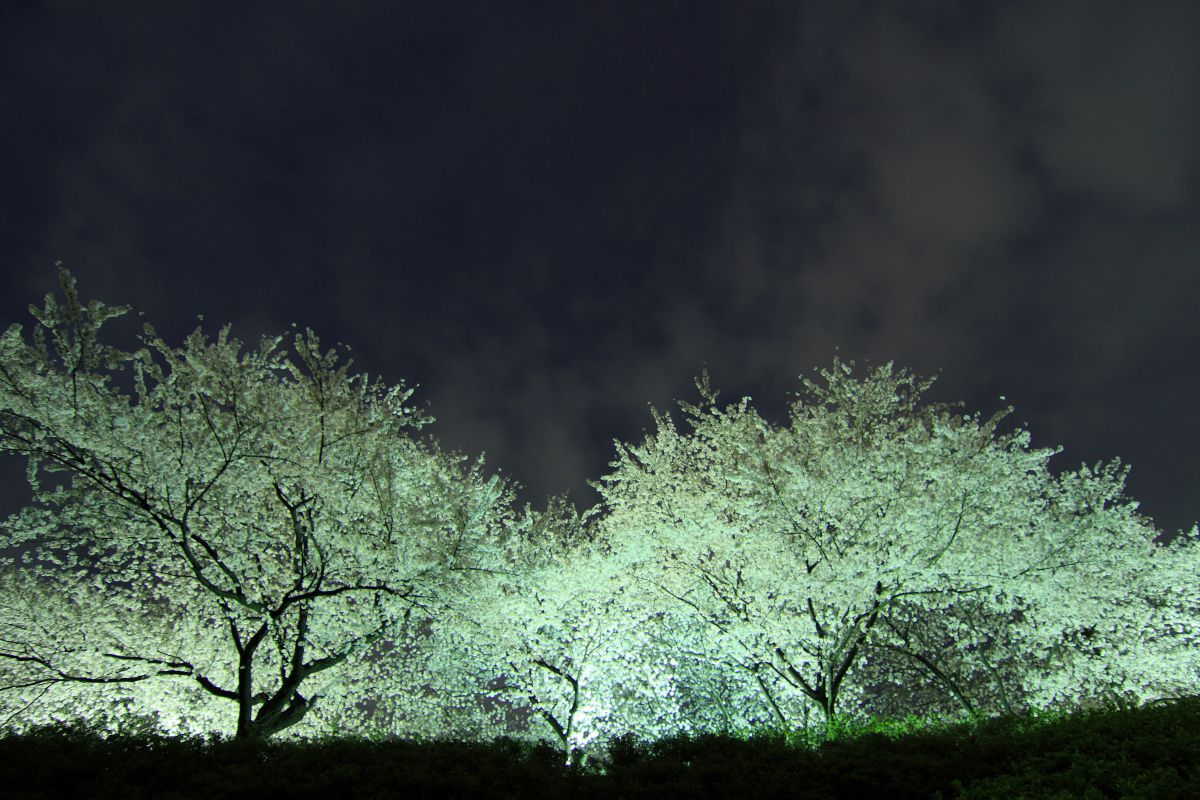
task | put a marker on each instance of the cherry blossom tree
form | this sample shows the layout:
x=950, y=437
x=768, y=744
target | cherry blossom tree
x=563, y=641
x=49, y=635
x=1112, y=616
x=873, y=530
x=583, y=650
x=259, y=541
x=277, y=508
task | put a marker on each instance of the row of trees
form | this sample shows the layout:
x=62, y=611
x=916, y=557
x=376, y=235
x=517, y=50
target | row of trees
x=259, y=541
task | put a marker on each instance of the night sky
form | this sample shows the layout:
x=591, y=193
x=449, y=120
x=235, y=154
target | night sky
x=548, y=215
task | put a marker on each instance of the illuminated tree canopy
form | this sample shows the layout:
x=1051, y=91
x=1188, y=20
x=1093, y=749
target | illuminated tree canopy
x=257, y=541
x=811, y=548
x=577, y=645
x=277, y=503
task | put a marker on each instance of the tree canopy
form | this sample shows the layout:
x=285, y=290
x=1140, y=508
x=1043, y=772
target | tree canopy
x=270, y=496
x=259, y=540
x=812, y=548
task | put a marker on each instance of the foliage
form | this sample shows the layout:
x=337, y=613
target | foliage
x=259, y=542
x=873, y=527
x=558, y=640
x=275, y=508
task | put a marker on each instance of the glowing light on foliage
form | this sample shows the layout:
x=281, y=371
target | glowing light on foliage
x=257, y=542
x=810, y=549
x=575, y=647
x=270, y=504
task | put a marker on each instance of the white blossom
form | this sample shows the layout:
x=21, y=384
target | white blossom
x=871, y=526
x=277, y=508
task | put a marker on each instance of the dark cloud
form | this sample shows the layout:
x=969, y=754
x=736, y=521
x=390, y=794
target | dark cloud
x=549, y=217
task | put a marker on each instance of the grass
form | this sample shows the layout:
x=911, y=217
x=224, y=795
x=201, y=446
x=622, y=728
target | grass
x=1150, y=752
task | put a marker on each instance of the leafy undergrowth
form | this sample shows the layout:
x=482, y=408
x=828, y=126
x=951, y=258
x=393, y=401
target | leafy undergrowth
x=1150, y=752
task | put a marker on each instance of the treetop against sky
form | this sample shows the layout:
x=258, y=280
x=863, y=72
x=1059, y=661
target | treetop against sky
x=258, y=540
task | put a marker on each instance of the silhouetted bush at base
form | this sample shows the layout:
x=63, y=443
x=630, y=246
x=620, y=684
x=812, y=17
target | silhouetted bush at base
x=1150, y=752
